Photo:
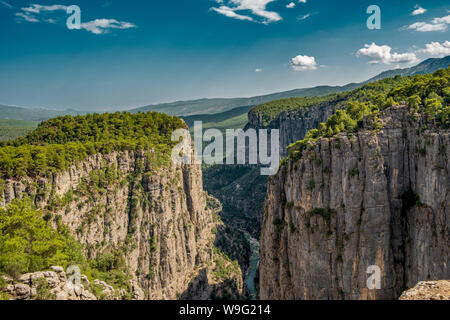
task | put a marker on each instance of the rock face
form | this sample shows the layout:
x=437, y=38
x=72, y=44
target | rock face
x=355, y=203
x=294, y=124
x=154, y=212
x=431, y=290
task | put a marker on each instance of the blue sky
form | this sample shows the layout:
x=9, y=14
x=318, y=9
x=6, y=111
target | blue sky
x=133, y=53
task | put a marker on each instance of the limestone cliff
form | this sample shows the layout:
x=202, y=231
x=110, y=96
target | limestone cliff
x=293, y=124
x=357, y=200
x=156, y=213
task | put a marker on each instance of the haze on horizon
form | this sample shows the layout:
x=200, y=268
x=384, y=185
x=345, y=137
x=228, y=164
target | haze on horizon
x=131, y=54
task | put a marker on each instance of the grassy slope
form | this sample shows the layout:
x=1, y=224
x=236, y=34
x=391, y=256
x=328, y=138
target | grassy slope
x=12, y=129
x=232, y=119
x=28, y=114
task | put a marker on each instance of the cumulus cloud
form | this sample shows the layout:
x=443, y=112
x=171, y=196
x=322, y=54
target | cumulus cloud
x=258, y=70
x=290, y=5
x=418, y=10
x=437, y=24
x=303, y=63
x=256, y=7
x=100, y=26
x=383, y=54
x=437, y=49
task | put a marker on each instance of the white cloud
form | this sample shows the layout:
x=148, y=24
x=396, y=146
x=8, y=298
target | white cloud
x=258, y=70
x=100, y=26
x=301, y=1
x=6, y=4
x=437, y=24
x=97, y=26
x=37, y=8
x=418, y=10
x=26, y=17
x=290, y=5
x=384, y=54
x=302, y=63
x=304, y=17
x=256, y=7
x=228, y=12
x=436, y=49
x=29, y=14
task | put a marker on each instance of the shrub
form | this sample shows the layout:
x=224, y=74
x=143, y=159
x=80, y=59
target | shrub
x=354, y=172
x=43, y=290
x=28, y=243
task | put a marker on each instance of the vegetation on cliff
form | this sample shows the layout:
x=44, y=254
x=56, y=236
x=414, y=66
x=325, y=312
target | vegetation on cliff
x=59, y=142
x=428, y=95
x=29, y=243
x=271, y=110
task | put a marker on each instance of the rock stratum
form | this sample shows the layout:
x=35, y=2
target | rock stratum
x=371, y=198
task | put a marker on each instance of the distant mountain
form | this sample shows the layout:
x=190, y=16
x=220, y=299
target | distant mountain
x=29, y=114
x=212, y=106
x=427, y=66
x=221, y=106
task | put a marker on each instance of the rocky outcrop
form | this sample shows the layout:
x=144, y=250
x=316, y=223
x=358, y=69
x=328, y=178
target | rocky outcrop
x=359, y=203
x=431, y=290
x=55, y=285
x=129, y=201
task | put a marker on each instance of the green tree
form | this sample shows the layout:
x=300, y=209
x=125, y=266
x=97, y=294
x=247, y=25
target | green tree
x=414, y=103
x=28, y=243
x=432, y=105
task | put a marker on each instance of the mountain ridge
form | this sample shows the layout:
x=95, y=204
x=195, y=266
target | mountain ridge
x=209, y=106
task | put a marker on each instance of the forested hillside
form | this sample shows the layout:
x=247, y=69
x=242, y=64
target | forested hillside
x=425, y=94
x=58, y=142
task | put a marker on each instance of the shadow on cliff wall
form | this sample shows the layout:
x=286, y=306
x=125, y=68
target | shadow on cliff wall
x=201, y=289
